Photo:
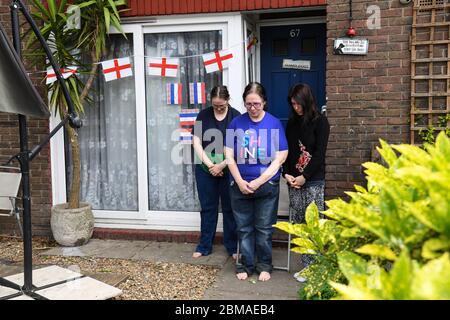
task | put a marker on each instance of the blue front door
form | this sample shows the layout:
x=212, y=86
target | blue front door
x=295, y=42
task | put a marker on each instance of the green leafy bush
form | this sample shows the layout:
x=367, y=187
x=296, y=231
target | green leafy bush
x=408, y=280
x=429, y=135
x=402, y=218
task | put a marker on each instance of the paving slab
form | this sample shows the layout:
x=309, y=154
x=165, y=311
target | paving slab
x=75, y=286
x=45, y=276
x=181, y=253
x=5, y=291
x=119, y=249
x=282, y=285
x=113, y=279
x=22, y=297
x=81, y=289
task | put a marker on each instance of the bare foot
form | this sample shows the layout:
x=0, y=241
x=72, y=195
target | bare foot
x=196, y=255
x=242, y=275
x=234, y=256
x=264, y=276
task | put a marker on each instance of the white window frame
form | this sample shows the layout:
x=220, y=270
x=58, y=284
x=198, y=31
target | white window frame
x=231, y=26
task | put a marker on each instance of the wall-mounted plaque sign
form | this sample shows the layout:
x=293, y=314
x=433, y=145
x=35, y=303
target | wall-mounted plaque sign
x=351, y=46
x=296, y=64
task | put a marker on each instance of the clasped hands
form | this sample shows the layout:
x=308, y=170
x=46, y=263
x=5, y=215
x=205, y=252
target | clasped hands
x=216, y=170
x=249, y=187
x=297, y=182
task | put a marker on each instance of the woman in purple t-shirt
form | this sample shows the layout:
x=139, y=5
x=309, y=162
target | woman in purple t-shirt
x=256, y=147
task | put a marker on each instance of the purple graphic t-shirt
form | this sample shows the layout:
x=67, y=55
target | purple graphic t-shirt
x=255, y=144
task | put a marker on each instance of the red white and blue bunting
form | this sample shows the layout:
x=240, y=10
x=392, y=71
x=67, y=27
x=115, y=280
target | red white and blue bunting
x=157, y=66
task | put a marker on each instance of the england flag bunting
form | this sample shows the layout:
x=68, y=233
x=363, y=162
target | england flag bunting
x=217, y=61
x=197, y=93
x=117, y=69
x=164, y=67
x=66, y=73
x=174, y=93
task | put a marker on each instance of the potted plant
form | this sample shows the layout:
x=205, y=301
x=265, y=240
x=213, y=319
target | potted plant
x=72, y=223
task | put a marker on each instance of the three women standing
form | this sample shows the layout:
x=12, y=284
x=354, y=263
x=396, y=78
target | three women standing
x=211, y=175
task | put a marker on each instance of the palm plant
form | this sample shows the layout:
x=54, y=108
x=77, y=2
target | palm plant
x=70, y=47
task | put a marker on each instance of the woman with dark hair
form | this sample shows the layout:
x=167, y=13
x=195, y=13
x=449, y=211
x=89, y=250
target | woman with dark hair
x=256, y=147
x=211, y=174
x=307, y=133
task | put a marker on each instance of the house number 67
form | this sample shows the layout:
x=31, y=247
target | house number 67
x=294, y=33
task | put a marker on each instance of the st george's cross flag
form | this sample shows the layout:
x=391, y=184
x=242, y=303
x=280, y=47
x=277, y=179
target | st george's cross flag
x=174, y=93
x=197, y=93
x=117, y=69
x=66, y=73
x=217, y=61
x=164, y=67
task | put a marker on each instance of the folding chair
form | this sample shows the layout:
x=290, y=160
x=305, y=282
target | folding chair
x=9, y=187
x=288, y=263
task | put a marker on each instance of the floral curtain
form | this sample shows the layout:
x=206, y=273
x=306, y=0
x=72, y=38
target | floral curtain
x=171, y=184
x=108, y=139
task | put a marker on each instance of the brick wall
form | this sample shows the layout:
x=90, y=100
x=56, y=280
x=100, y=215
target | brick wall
x=40, y=167
x=368, y=96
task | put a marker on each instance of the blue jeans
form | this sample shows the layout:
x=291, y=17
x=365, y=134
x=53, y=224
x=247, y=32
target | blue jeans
x=255, y=214
x=210, y=190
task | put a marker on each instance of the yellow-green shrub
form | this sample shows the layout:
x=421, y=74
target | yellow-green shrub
x=405, y=209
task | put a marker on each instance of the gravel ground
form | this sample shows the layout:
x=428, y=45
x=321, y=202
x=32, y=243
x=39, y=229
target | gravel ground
x=146, y=280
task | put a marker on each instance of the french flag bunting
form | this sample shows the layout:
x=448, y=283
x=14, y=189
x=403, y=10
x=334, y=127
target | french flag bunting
x=217, y=61
x=117, y=69
x=164, y=67
x=66, y=73
x=197, y=93
x=174, y=93
x=188, y=116
x=186, y=135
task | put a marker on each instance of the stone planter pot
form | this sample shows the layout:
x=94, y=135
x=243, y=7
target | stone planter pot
x=72, y=227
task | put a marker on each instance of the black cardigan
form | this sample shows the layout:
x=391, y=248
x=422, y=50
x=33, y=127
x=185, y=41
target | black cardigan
x=313, y=138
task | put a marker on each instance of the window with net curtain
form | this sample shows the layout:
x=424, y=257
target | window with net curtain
x=108, y=144
x=172, y=186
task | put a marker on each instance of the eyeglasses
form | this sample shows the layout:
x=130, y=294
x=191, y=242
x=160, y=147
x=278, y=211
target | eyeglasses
x=219, y=106
x=256, y=105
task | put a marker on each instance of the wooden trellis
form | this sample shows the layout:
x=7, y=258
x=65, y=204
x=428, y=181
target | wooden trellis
x=430, y=66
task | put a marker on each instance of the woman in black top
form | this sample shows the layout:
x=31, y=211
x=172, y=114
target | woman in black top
x=307, y=134
x=211, y=174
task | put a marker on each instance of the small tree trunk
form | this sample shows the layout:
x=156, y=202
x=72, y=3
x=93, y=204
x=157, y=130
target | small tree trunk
x=74, y=194
x=75, y=187
x=91, y=78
